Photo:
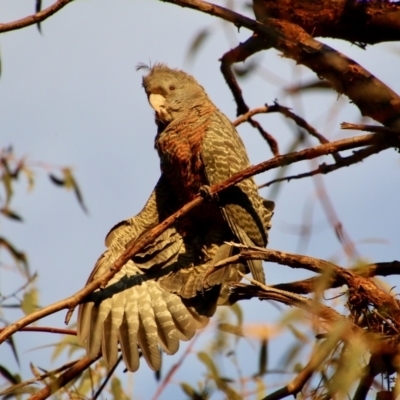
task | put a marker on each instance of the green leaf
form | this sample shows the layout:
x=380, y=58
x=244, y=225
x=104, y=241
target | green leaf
x=197, y=42
x=260, y=388
x=14, y=379
x=11, y=343
x=69, y=343
x=18, y=256
x=38, y=8
x=229, y=328
x=30, y=301
x=237, y=310
x=209, y=363
x=57, y=181
x=11, y=214
x=221, y=382
x=117, y=391
x=263, y=358
x=29, y=176
x=188, y=389
x=36, y=373
x=90, y=378
x=69, y=182
x=7, y=181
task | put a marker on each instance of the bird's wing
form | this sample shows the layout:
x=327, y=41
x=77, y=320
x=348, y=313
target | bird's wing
x=134, y=309
x=223, y=154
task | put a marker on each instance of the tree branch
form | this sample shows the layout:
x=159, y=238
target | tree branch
x=356, y=157
x=34, y=19
x=48, y=329
x=358, y=22
x=64, y=378
x=372, y=97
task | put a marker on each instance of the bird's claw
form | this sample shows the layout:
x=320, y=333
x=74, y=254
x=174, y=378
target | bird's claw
x=205, y=192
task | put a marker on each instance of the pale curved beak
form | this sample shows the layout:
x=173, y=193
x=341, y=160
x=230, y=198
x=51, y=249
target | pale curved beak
x=157, y=101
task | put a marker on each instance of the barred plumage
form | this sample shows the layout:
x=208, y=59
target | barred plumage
x=166, y=292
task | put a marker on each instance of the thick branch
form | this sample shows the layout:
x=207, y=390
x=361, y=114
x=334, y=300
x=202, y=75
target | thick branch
x=372, y=97
x=352, y=20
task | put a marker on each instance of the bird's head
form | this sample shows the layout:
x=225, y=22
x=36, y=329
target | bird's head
x=171, y=92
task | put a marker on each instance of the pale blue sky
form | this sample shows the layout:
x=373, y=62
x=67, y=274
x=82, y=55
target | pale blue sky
x=71, y=96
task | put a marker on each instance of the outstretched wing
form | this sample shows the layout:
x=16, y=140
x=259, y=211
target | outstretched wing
x=160, y=296
x=133, y=309
x=223, y=154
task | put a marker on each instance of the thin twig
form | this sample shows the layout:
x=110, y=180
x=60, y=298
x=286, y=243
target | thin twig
x=249, y=114
x=108, y=377
x=301, y=122
x=247, y=117
x=356, y=157
x=309, y=285
x=272, y=143
x=264, y=292
x=48, y=329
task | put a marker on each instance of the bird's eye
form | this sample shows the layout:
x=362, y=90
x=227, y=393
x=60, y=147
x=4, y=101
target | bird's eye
x=172, y=87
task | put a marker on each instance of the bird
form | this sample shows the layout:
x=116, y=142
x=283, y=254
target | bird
x=198, y=146
x=163, y=294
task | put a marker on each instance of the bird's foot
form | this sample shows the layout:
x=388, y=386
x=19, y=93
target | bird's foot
x=205, y=192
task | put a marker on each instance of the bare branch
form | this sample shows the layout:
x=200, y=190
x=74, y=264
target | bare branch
x=245, y=117
x=264, y=292
x=362, y=285
x=308, y=285
x=14, y=388
x=369, y=128
x=48, y=329
x=356, y=157
x=273, y=144
x=36, y=18
x=372, y=97
x=301, y=122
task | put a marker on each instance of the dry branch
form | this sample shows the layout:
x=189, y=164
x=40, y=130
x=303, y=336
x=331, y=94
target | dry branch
x=64, y=378
x=358, y=22
x=360, y=286
x=34, y=19
x=372, y=97
x=356, y=157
